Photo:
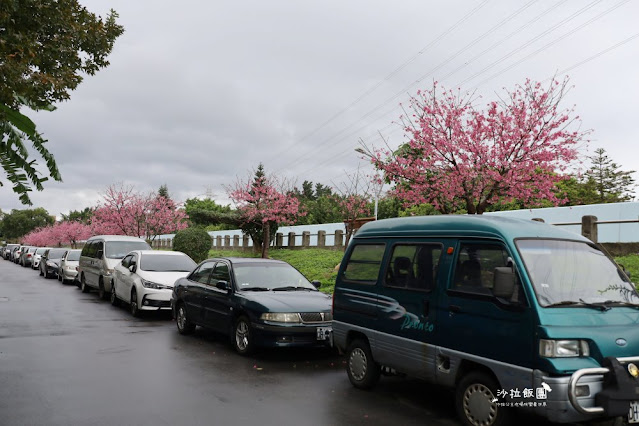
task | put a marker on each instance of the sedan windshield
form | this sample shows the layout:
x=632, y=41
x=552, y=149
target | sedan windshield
x=270, y=276
x=166, y=263
x=119, y=249
x=565, y=273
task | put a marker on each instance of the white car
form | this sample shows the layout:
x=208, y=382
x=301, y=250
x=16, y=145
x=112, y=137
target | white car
x=68, y=268
x=35, y=264
x=144, y=279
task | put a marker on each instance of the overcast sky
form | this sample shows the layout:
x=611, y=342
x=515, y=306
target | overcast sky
x=200, y=92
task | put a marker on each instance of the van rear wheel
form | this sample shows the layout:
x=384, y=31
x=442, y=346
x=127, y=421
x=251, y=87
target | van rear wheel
x=475, y=401
x=363, y=371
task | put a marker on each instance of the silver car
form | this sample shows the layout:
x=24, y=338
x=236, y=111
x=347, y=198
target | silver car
x=69, y=264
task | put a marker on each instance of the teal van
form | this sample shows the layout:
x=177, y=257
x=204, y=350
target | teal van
x=507, y=312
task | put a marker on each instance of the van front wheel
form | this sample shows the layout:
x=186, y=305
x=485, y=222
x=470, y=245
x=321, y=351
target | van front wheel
x=476, y=401
x=363, y=371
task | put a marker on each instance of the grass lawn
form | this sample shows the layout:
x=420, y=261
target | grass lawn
x=631, y=264
x=319, y=264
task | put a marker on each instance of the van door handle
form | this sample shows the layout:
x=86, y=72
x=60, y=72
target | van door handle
x=454, y=308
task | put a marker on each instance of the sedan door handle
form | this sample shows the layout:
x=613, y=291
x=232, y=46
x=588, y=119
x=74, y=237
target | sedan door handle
x=454, y=308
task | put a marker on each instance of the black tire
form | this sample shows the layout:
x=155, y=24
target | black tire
x=474, y=396
x=242, y=336
x=184, y=326
x=114, y=299
x=133, y=306
x=101, y=291
x=362, y=370
x=83, y=285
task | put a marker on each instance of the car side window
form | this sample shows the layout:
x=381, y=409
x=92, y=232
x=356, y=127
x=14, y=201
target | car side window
x=486, y=268
x=413, y=266
x=201, y=274
x=364, y=263
x=220, y=273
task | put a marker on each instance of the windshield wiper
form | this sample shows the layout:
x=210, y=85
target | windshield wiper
x=255, y=289
x=291, y=288
x=581, y=302
x=620, y=303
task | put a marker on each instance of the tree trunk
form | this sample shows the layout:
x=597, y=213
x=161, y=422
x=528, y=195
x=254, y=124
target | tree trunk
x=266, y=232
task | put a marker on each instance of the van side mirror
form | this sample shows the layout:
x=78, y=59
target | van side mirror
x=504, y=283
x=99, y=254
x=316, y=284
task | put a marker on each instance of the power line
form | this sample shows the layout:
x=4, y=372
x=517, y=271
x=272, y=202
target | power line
x=389, y=75
x=468, y=46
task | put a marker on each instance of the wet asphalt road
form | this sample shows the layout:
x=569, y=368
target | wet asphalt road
x=67, y=358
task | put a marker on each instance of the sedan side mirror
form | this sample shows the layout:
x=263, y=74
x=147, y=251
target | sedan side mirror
x=132, y=267
x=223, y=285
x=316, y=284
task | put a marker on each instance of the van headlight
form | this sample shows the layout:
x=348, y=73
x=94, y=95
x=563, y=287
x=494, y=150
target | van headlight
x=563, y=348
x=280, y=317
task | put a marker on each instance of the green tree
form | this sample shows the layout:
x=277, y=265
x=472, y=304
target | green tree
x=83, y=216
x=163, y=191
x=46, y=46
x=611, y=184
x=20, y=222
x=206, y=213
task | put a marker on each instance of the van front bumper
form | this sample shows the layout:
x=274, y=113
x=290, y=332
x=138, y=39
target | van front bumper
x=563, y=405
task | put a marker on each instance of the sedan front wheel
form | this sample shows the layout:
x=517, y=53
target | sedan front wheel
x=243, y=336
x=183, y=324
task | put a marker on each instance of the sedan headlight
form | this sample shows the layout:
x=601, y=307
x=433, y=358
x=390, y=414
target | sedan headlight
x=563, y=348
x=281, y=317
x=151, y=284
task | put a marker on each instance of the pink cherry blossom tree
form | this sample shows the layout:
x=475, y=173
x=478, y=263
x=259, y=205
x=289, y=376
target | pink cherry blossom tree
x=259, y=201
x=58, y=235
x=458, y=156
x=126, y=212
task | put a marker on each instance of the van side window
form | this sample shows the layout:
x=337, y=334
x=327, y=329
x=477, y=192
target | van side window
x=413, y=266
x=364, y=263
x=87, y=249
x=486, y=269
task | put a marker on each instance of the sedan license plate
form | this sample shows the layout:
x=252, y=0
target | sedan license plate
x=633, y=414
x=323, y=333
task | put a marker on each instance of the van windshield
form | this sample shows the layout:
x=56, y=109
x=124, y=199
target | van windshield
x=119, y=249
x=574, y=273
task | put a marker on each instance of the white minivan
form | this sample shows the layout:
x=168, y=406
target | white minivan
x=100, y=255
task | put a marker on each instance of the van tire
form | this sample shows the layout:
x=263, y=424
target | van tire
x=101, y=292
x=474, y=404
x=362, y=370
x=83, y=285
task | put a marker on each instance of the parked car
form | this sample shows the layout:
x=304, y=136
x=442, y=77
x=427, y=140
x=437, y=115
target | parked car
x=26, y=258
x=144, y=279
x=35, y=264
x=68, y=266
x=257, y=302
x=17, y=253
x=8, y=251
x=50, y=261
x=486, y=305
x=100, y=255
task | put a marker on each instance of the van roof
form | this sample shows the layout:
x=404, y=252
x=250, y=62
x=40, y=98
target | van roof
x=114, y=238
x=464, y=226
